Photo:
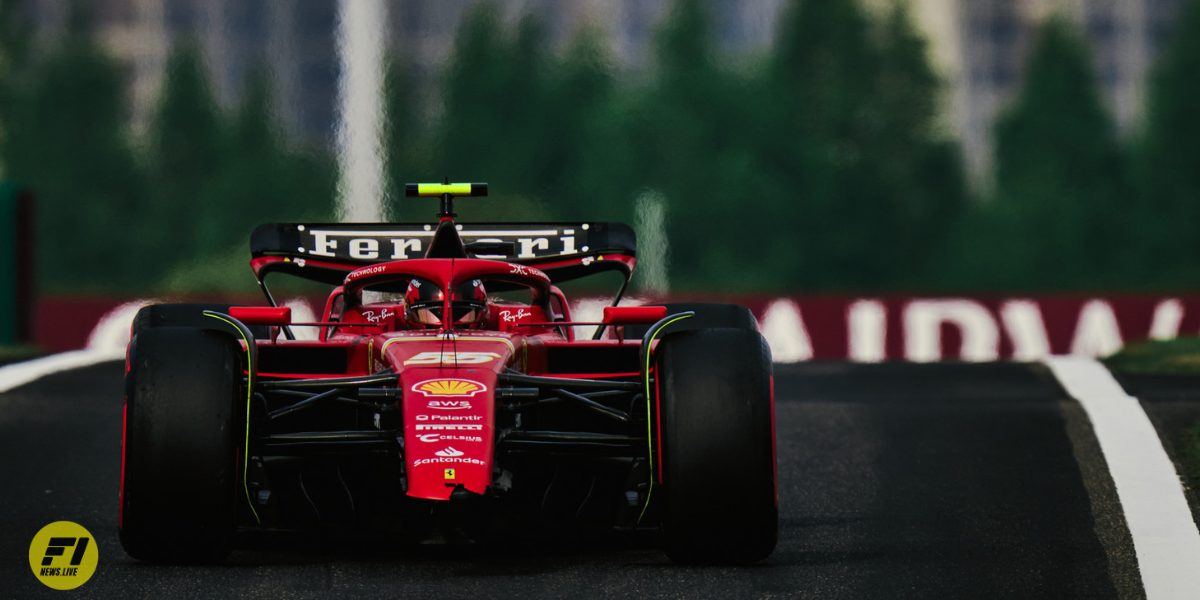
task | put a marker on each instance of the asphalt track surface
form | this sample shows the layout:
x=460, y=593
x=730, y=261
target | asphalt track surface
x=896, y=481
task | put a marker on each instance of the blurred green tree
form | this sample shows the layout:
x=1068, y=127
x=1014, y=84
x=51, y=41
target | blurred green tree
x=692, y=134
x=257, y=179
x=584, y=157
x=868, y=187
x=14, y=55
x=406, y=141
x=1054, y=222
x=65, y=137
x=494, y=94
x=807, y=148
x=260, y=179
x=820, y=84
x=920, y=165
x=1167, y=167
x=513, y=115
x=185, y=140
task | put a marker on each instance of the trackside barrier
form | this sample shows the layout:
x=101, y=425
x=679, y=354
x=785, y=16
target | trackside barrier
x=974, y=329
x=863, y=328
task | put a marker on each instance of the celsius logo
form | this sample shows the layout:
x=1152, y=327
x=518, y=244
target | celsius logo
x=449, y=387
x=449, y=452
x=437, y=437
x=63, y=556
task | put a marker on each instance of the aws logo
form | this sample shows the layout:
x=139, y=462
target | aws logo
x=449, y=404
x=449, y=387
x=63, y=556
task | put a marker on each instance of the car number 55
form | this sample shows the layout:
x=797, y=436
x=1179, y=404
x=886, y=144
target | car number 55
x=452, y=358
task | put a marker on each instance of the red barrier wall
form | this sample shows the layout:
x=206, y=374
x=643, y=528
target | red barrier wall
x=63, y=323
x=855, y=327
x=981, y=328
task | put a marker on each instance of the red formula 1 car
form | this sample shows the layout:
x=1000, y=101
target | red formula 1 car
x=447, y=398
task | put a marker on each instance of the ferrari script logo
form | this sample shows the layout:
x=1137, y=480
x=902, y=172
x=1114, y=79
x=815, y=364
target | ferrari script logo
x=449, y=387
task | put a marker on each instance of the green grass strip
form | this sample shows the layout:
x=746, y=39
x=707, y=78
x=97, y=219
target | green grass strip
x=1190, y=455
x=1180, y=356
x=20, y=352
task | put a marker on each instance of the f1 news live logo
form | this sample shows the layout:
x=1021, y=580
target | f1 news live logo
x=63, y=555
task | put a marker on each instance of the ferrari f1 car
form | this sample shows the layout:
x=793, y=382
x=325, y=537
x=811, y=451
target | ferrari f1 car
x=448, y=398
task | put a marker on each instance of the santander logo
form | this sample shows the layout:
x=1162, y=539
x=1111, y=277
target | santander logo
x=449, y=452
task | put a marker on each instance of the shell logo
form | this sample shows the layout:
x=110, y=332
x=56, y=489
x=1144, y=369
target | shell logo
x=449, y=387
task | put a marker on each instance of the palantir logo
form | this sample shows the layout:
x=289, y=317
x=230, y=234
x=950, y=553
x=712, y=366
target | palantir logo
x=63, y=555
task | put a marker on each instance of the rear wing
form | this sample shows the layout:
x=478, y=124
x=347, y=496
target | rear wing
x=327, y=252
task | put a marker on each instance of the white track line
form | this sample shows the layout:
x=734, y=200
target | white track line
x=106, y=342
x=1164, y=534
x=19, y=374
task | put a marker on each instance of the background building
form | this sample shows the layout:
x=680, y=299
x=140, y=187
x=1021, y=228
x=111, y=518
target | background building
x=981, y=45
x=292, y=38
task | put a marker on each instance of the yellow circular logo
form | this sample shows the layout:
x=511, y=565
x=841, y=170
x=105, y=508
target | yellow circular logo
x=63, y=555
x=448, y=387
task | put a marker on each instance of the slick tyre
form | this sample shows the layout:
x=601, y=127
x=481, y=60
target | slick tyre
x=184, y=417
x=718, y=447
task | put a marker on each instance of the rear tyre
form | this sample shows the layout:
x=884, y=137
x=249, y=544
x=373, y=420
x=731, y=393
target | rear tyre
x=718, y=447
x=184, y=417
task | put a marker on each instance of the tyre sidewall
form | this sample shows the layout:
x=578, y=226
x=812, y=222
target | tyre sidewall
x=717, y=446
x=184, y=417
